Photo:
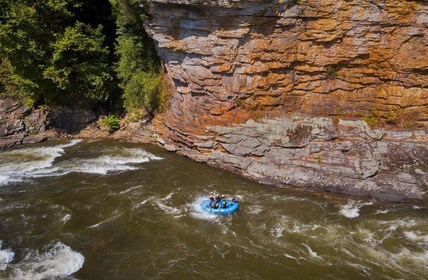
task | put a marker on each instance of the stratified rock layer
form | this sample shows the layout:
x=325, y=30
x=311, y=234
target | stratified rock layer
x=306, y=71
x=21, y=125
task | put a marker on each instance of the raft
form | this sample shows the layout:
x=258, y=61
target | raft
x=231, y=207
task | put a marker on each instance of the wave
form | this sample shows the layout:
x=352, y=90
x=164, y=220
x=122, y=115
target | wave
x=352, y=208
x=416, y=236
x=38, y=162
x=131, y=189
x=197, y=212
x=311, y=252
x=21, y=163
x=276, y=231
x=58, y=260
x=6, y=256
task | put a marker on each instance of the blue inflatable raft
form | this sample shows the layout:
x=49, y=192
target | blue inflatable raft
x=231, y=207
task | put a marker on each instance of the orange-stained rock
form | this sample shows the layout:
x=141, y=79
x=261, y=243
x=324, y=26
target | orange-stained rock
x=231, y=61
x=358, y=54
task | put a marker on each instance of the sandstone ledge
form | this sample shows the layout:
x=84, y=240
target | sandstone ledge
x=314, y=153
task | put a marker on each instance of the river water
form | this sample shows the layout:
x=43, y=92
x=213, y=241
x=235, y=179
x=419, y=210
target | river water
x=109, y=210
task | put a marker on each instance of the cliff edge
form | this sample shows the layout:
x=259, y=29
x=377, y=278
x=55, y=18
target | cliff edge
x=329, y=95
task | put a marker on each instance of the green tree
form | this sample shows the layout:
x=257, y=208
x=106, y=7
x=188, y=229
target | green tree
x=138, y=67
x=79, y=63
x=54, y=56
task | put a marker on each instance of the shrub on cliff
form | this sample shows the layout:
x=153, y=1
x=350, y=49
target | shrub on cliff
x=110, y=123
x=138, y=66
x=7, y=85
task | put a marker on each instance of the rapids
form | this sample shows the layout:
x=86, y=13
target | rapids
x=109, y=210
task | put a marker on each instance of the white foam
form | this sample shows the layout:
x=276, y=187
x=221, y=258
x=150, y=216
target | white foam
x=166, y=208
x=276, y=231
x=39, y=162
x=58, y=261
x=4, y=180
x=107, y=163
x=406, y=262
x=116, y=215
x=297, y=227
x=136, y=206
x=382, y=211
x=6, y=256
x=168, y=197
x=66, y=218
x=416, y=236
x=311, y=252
x=23, y=163
x=130, y=189
x=197, y=212
x=290, y=257
x=255, y=209
x=352, y=208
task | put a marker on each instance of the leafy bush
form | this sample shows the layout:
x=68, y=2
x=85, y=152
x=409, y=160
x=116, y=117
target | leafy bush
x=110, y=123
x=138, y=66
x=55, y=56
x=79, y=63
x=371, y=118
x=7, y=85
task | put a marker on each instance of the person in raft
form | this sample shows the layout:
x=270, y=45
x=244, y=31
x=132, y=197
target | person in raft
x=220, y=201
x=223, y=204
x=211, y=200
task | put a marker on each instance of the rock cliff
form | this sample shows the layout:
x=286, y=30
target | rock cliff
x=19, y=124
x=288, y=92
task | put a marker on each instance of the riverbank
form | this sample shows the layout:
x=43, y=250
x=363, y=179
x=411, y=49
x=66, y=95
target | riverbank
x=324, y=154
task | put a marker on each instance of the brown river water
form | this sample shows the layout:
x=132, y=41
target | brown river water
x=111, y=210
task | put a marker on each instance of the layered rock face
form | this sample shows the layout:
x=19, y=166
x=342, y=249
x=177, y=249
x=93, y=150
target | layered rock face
x=279, y=90
x=21, y=125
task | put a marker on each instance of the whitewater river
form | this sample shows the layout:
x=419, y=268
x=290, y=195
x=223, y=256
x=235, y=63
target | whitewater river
x=109, y=210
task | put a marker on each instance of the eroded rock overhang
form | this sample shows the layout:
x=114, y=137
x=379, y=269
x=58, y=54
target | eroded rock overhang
x=272, y=63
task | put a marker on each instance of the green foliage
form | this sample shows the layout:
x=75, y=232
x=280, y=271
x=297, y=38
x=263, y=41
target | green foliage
x=142, y=91
x=134, y=116
x=63, y=51
x=138, y=66
x=79, y=63
x=129, y=14
x=7, y=85
x=110, y=123
x=371, y=118
x=54, y=56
